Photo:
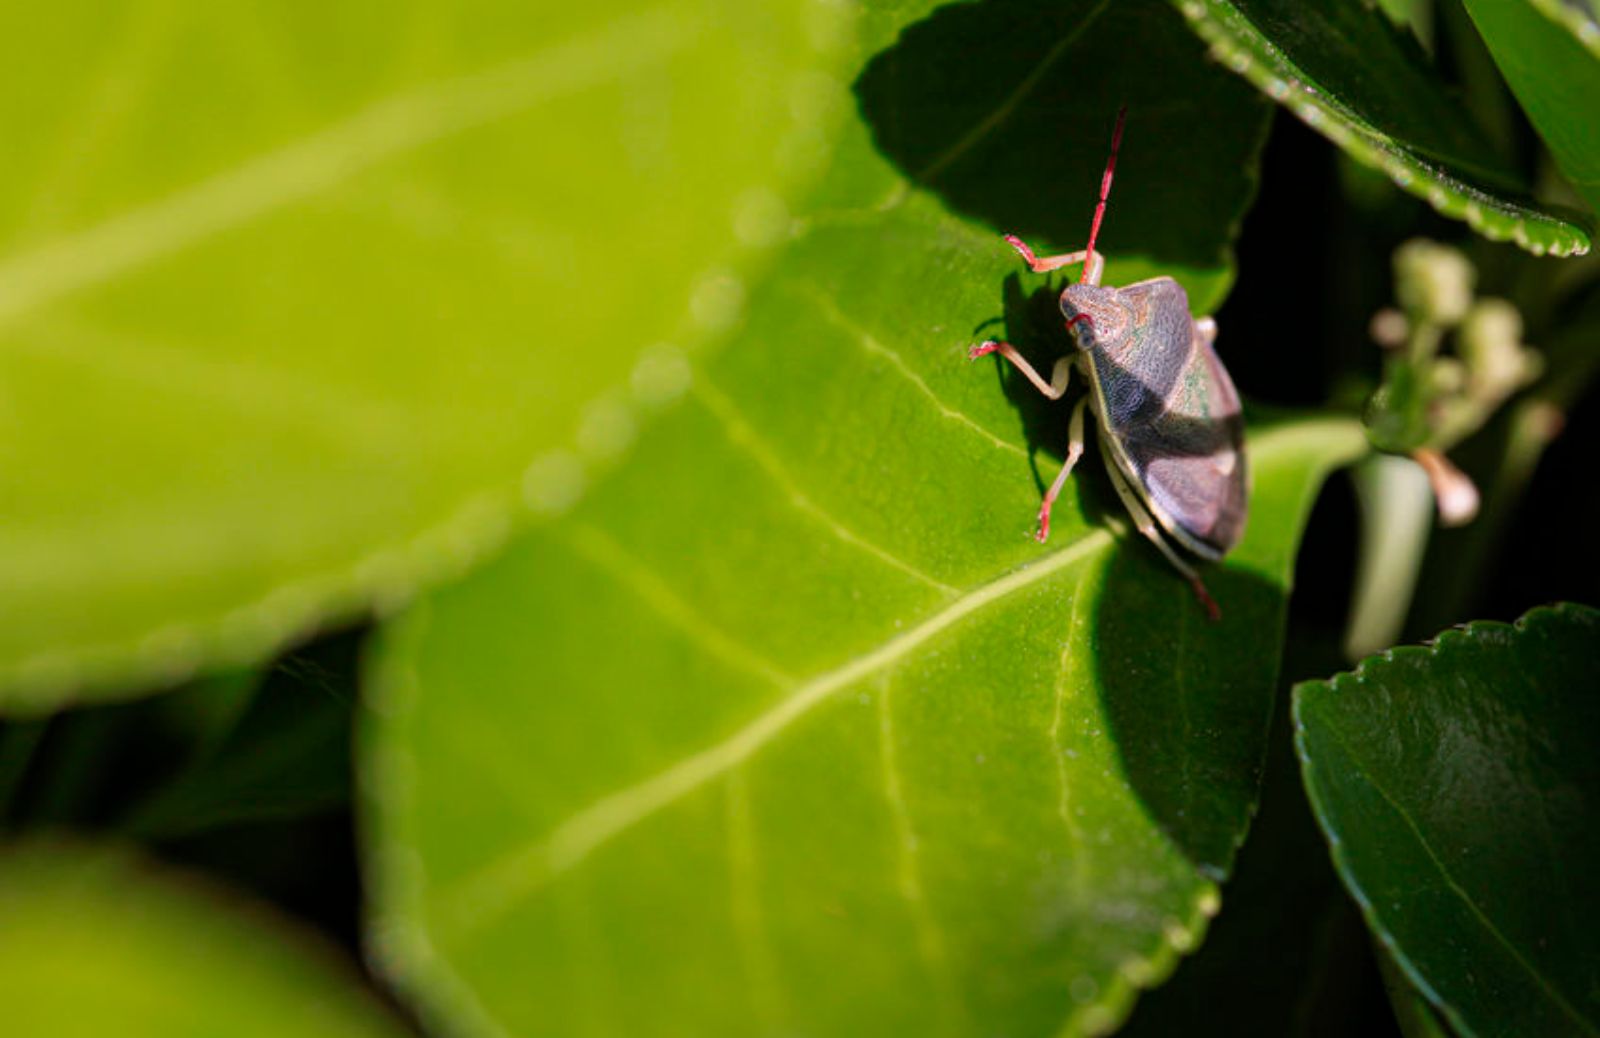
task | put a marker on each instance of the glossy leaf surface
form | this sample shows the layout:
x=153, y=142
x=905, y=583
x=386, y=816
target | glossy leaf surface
x=1458, y=785
x=631, y=769
x=93, y=942
x=1549, y=53
x=1347, y=71
x=296, y=299
x=790, y=726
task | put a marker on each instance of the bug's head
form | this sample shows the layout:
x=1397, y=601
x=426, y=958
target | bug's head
x=1095, y=314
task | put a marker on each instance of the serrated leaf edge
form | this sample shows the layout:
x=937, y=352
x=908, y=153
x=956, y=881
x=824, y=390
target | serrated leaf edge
x=1494, y=218
x=398, y=945
x=1370, y=667
x=400, y=948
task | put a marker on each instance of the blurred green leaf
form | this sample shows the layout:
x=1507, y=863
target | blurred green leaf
x=1550, y=55
x=1457, y=785
x=296, y=299
x=790, y=726
x=1347, y=71
x=94, y=942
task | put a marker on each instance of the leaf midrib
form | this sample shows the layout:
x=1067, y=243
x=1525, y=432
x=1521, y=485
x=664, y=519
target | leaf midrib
x=497, y=886
x=1450, y=881
x=519, y=873
x=385, y=128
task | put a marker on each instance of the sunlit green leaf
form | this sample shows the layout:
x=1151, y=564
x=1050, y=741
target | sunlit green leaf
x=790, y=726
x=297, y=299
x=1458, y=786
x=1347, y=71
x=94, y=943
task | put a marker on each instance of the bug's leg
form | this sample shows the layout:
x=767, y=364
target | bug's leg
x=1058, y=376
x=1074, y=452
x=1207, y=327
x=1147, y=526
x=1044, y=264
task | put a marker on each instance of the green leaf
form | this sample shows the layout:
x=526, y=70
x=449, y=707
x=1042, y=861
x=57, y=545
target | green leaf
x=94, y=942
x=790, y=726
x=1412, y=1012
x=300, y=306
x=1549, y=53
x=1348, y=72
x=1457, y=785
x=1289, y=956
x=629, y=760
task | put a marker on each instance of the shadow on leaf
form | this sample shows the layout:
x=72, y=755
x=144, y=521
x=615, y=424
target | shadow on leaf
x=1005, y=109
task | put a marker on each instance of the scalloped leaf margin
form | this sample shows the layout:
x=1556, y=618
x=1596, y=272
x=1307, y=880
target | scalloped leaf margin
x=1461, y=999
x=1239, y=45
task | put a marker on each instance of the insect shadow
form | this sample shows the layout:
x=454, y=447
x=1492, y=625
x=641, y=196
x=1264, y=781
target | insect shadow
x=1185, y=706
x=1001, y=108
x=1032, y=323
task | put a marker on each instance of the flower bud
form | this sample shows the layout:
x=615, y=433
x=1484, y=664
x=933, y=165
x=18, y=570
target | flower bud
x=1433, y=282
x=1490, y=341
x=1454, y=493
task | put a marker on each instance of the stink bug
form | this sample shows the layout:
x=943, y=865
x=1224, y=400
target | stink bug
x=1170, y=429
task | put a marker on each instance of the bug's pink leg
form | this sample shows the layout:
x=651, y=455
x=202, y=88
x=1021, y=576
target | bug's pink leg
x=1052, y=389
x=1044, y=264
x=1147, y=526
x=1207, y=327
x=1074, y=452
x=1095, y=263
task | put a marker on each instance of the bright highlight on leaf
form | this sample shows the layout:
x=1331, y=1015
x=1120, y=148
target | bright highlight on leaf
x=1458, y=786
x=790, y=726
x=300, y=310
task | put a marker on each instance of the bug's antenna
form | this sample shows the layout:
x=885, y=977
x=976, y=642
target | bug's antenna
x=1105, y=189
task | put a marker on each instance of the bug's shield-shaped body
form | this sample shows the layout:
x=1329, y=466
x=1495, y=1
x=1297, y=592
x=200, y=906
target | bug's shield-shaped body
x=1169, y=411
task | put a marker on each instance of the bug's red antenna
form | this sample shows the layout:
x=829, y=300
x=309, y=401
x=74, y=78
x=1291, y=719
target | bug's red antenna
x=1105, y=190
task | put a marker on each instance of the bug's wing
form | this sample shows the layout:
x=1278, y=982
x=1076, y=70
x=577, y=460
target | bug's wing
x=1172, y=415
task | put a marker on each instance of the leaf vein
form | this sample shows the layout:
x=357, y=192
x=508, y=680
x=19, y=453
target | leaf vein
x=745, y=892
x=631, y=572
x=386, y=128
x=993, y=120
x=521, y=871
x=866, y=341
x=908, y=878
x=741, y=434
x=500, y=883
x=1075, y=624
x=1457, y=889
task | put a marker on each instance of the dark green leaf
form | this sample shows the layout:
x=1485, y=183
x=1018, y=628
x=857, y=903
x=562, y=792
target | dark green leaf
x=94, y=943
x=301, y=304
x=1289, y=956
x=1549, y=53
x=1413, y=1013
x=1350, y=73
x=1458, y=785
